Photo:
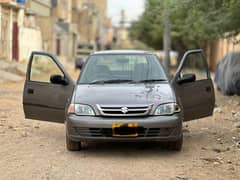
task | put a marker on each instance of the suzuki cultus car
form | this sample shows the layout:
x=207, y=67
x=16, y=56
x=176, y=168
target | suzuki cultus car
x=119, y=96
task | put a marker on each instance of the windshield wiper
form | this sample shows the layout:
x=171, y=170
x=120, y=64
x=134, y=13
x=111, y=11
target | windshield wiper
x=150, y=80
x=110, y=81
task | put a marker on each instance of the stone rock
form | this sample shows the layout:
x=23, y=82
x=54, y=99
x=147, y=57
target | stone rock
x=209, y=159
x=212, y=160
x=218, y=110
x=229, y=162
x=227, y=149
x=237, y=115
x=238, y=144
x=216, y=163
x=217, y=150
x=24, y=134
x=233, y=113
x=237, y=125
x=179, y=178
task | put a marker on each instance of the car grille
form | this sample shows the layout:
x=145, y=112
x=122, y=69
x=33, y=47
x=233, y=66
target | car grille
x=124, y=110
x=107, y=132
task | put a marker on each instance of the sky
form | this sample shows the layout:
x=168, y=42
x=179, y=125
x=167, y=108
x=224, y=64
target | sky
x=133, y=9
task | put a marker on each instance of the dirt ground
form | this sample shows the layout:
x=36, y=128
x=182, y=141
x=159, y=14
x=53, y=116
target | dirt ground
x=36, y=150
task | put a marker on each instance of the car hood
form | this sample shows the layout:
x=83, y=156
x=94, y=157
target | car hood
x=124, y=94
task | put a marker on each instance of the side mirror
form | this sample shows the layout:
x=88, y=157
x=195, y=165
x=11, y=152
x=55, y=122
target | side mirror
x=58, y=79
x=187, y=78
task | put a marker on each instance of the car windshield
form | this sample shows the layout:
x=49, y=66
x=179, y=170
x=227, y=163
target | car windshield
x=122, y=69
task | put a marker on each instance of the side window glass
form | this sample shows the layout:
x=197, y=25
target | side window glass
x=194, y=64
x=42, y=68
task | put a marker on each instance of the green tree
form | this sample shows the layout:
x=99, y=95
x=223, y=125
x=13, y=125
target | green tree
x=195, y=23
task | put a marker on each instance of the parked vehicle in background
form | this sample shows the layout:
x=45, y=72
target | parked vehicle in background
x=119, y=96
x=227, y=75
x=83, y=51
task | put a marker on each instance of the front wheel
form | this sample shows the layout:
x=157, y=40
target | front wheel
x=72, y=145
x=176, y=145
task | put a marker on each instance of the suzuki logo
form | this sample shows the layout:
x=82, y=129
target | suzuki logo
x=124, y=110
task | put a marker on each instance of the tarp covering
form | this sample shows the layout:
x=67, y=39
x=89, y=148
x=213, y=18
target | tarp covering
x=227, y=75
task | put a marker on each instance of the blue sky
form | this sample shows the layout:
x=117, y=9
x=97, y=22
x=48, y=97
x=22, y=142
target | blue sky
x=133, y=9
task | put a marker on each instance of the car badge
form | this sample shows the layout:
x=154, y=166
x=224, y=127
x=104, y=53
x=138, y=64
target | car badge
x=124, y=110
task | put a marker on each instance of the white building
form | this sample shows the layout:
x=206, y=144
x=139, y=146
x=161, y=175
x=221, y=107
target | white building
x=11, y=18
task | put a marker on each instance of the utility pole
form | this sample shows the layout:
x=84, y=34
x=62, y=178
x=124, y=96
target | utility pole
x=167, y=37
x=89, y=21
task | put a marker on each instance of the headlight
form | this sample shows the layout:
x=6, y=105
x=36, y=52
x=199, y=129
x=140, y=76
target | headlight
x=167, y=109
x=81, y=110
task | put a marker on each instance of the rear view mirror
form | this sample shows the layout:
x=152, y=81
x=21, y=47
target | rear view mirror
x=187, y=78
x=58, y=79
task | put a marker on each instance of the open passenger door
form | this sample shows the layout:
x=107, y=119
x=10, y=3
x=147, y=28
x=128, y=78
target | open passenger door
x=193, y=86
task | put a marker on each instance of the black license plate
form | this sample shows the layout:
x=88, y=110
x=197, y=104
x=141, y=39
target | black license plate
x=125, y=130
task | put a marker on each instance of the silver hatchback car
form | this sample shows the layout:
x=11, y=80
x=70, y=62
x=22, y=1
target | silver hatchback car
x=119, y=96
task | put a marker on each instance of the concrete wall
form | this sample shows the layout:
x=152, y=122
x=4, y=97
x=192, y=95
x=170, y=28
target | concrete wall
x=40, y=7
x=29, y=40
x=91, y=19
x=217, y=50
x=9, y=13
x=46, y=25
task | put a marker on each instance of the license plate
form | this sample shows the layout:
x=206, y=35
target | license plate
x=125, y=130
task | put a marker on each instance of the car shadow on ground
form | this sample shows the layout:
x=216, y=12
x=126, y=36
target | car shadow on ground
x=126, y=149
x=123, y=149
x=139, y=149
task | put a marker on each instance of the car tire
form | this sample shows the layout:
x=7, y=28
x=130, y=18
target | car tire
x=176, y=145
x=73, y=145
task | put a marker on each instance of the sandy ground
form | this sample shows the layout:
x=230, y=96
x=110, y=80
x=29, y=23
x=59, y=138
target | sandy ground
x=36, y=150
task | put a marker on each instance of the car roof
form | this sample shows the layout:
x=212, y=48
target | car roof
x=121, y=52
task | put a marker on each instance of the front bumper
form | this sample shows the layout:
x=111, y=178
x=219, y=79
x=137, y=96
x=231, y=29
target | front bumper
x=96, y=128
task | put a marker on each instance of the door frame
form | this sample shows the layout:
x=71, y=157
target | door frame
x=180, y=67
x=54, y=58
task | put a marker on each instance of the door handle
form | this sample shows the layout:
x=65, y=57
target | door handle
x=208, y=89
x=30, y=91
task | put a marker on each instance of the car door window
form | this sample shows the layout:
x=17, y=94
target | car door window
x=194, y=64
x=42, y=68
